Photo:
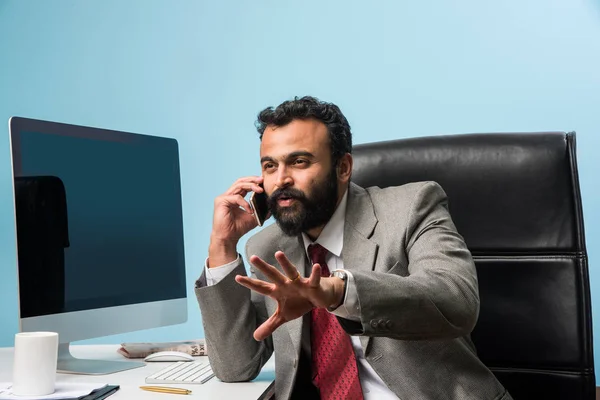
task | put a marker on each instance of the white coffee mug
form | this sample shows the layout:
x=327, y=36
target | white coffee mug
x=34, y=366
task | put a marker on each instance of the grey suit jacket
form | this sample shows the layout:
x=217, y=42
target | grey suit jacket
x=417, y=289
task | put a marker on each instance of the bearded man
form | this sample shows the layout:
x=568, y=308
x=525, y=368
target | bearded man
x=360, y=293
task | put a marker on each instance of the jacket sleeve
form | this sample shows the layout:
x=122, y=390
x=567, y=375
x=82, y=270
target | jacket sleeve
x=439, y=298
x=230, y=314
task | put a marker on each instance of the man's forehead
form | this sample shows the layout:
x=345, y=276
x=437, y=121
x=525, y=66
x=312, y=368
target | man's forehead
x=307, y=136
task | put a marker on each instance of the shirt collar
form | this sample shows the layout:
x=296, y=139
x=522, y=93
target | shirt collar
x=332, y=235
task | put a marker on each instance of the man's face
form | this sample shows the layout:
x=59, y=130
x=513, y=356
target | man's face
x=299, y=177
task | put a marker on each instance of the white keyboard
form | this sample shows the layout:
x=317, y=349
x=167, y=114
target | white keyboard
x=183, y=372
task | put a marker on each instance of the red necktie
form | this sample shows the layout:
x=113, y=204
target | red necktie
x=334, y=368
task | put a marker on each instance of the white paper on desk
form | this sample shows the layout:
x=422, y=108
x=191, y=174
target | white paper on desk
x=63, y=390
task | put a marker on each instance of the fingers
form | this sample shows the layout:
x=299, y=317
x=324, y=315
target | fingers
x=244, y=185
x=237, y=200
x=289, y=268
x=268, y=327
x=314, y=280
x=257, y=285
x=273, y=273
x=270, y=272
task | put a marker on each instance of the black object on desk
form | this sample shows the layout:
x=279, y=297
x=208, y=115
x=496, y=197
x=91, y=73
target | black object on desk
x=98, y=394
x=101, y=393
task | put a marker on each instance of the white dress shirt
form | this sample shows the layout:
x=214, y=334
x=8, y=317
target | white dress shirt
x=332, y=238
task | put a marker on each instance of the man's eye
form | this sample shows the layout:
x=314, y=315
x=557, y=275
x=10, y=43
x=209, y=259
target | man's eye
x=268, y=166
x=300, y=162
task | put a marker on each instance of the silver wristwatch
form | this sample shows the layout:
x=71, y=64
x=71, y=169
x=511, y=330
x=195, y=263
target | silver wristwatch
x=340, y=273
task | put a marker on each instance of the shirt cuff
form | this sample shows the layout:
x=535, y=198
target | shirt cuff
x=215, y=275
x=350, y=307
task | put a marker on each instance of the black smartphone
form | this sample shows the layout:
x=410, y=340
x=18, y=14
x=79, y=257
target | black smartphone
x=258, y=201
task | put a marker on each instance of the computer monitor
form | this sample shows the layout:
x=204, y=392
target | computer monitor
x=99, y=231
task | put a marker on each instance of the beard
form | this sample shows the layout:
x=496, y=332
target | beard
x=307, y=212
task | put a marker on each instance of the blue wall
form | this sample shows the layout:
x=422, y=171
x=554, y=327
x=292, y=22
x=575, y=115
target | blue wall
x=199, y=71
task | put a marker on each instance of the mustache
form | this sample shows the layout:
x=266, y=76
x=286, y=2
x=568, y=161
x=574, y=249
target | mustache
x=287, y=192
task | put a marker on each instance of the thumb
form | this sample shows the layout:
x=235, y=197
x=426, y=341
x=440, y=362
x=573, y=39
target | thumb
x=268, y=327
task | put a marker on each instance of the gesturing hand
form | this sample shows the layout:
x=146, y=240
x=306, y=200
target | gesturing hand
x=295, y=295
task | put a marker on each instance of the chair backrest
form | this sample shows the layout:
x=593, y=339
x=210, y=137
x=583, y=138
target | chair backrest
x=515, y=199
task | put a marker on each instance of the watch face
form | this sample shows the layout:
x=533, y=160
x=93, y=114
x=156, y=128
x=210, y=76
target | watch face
x=340, y=274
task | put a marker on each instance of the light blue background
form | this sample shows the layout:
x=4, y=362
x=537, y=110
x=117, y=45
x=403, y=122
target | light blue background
x=199, y=71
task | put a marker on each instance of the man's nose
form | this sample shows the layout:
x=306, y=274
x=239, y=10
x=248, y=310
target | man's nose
x=284, y=179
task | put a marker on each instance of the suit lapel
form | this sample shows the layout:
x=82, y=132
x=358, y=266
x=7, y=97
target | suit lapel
x=293, y=247
x=359, y=253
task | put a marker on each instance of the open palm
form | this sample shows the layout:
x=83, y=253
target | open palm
x=295, y=295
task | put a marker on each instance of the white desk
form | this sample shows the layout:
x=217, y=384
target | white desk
x=132, y=379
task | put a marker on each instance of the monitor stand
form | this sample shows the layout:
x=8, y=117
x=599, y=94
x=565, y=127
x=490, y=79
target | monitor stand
x=71, y=365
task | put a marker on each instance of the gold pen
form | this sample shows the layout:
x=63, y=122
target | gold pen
x=163, y=389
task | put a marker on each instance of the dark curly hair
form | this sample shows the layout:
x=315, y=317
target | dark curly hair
x=309, y=107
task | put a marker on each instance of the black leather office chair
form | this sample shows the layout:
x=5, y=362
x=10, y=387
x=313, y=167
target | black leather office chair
x=515, y=199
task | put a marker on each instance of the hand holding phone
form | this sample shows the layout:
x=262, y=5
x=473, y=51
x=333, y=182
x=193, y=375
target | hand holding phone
x=232, y=219
x=258, y=202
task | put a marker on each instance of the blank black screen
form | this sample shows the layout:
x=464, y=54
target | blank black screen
x=99, y=218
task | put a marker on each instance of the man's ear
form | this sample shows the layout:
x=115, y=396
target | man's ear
x=344, y=168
